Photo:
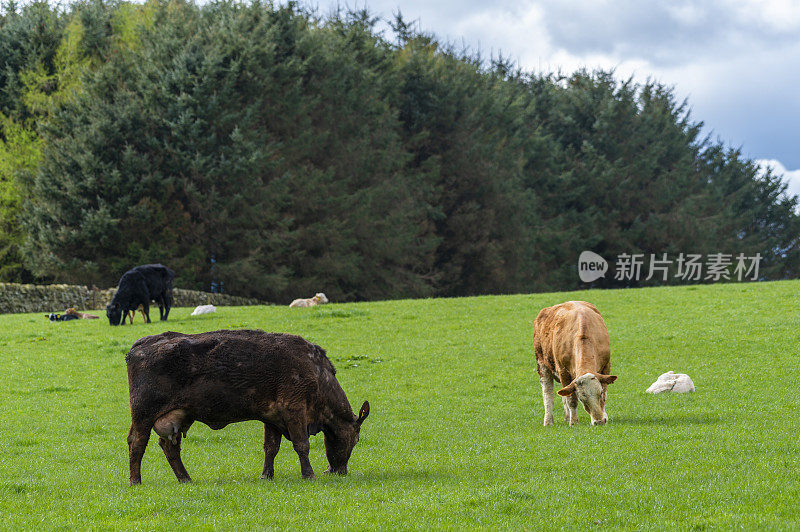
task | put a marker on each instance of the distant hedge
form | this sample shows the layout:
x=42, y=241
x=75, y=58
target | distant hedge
x=19, y=298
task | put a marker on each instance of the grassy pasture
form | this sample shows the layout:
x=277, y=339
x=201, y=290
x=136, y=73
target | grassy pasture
x=455, y=437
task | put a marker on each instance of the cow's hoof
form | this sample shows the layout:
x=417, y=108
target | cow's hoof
x=549, y=423
x=312, y=476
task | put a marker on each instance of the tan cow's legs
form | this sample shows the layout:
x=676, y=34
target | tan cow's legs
x=570, y=409
x=548, y=396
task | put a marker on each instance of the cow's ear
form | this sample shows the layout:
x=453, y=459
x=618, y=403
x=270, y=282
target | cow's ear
x=363, y=413
x=567, y=390
x=606, y=379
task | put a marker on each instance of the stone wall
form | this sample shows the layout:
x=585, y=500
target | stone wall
x=19, y=298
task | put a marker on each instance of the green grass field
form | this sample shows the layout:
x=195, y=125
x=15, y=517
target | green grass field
x=455, y=437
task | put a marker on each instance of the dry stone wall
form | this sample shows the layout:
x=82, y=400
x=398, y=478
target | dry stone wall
x=19, y=298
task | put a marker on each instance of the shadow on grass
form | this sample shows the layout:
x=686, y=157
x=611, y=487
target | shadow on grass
x=176, y=318
x=405, y=474
x=357, y=477
x=666, y=420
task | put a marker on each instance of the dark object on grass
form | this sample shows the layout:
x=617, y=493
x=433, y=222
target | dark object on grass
x=138, y=287
x=222, y=377
x=61, y=317
x=70, y=314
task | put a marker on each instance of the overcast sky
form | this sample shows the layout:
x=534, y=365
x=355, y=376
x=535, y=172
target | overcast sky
x=737, y=61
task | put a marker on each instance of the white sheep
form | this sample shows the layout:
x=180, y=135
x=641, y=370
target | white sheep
x=672, y=382
x=318, y=299
x=204, y=309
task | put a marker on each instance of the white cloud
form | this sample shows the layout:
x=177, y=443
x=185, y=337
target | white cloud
x=670, y=32
x=781, y=16
x=792, y=177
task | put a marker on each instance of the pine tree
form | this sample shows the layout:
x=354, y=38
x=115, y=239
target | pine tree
x=276, y=153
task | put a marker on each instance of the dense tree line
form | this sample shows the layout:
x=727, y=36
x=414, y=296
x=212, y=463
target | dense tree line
x=280, y=153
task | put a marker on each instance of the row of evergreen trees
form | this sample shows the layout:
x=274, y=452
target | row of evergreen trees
x=281, y=153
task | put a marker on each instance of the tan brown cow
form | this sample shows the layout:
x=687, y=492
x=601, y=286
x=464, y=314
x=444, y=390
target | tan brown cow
x=572, y=347
x=132, y=314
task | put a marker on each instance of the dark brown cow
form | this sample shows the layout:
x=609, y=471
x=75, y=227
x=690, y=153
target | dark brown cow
x=572, y=347
x=223, y=377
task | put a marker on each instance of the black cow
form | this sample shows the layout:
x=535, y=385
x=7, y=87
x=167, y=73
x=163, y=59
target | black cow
x=223, y=377
x=138, y=287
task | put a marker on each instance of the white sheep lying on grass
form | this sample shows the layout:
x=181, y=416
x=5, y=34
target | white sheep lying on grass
x=318, y=299
x=672, y=382
x=204, y=309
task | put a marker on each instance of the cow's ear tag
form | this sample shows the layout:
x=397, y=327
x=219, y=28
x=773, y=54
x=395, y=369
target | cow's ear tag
x=363, y=413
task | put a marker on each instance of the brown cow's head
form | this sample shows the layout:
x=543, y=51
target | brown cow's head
x=591, y=391
x=339, y=443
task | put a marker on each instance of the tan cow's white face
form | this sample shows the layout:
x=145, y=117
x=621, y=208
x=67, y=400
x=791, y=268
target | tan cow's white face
x=591, y=392
x=593, y=397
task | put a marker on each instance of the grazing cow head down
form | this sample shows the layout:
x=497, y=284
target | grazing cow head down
x=591, y=391
x=339, y=444
x=114, y=313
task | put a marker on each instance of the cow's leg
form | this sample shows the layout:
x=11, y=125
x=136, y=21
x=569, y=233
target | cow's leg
x=167, y=305
x=272, y=444
x=546, y=379
x=138, y=437
x=160, y=301
x=571, y=403
x=298, y=433
x=146, y=311
x=170, y=428
x=172, y=450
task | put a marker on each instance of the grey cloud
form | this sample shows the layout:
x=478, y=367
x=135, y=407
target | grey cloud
x=663, y=32
x=737, y=61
